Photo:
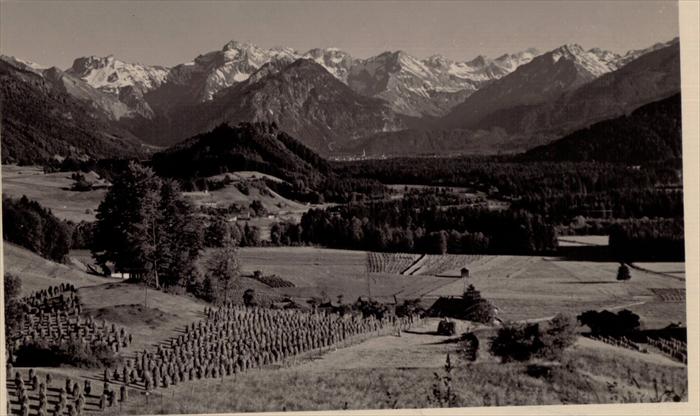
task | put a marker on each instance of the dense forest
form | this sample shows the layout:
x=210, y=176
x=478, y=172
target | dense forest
x=418, y=224
x=514, y=178
x=649, y=239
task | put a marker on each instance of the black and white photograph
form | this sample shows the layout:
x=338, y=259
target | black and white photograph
x=378, y=206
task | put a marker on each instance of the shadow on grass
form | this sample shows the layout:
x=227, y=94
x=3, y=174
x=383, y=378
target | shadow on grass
x=432, y=333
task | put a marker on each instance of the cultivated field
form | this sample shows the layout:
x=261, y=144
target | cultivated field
x=328, y=272
x=522, y=287
x=273, y=202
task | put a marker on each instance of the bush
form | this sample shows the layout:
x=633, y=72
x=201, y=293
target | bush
x=609, y=323
x=481, y=311
x=409, y=307
x=470, y=346
x=477, y=309
x=514, y=342
x=559, y=334
x=623, y=272
x=371, y=308
x=521, y=342
x=249, y=298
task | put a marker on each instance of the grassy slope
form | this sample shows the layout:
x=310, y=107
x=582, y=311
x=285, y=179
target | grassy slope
x=124, y=304
x=39, y=273
x=341, y=379
x=51, y=191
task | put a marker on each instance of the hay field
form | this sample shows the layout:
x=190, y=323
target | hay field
x=317, y=271
x=527, y=287
x=125, y=304
x=389, y=371
x=230, y=194
x=51, y=191
x=523, y=287
x=398, y=372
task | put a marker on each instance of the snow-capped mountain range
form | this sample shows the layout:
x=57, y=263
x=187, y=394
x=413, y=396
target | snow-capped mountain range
x=412, y=86
x=330, y=99
x=408, y=83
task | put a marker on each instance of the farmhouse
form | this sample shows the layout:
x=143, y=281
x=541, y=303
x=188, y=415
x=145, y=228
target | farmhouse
x=110, y=270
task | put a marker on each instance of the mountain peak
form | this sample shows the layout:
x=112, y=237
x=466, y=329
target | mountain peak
x=479, y=61
x=568, y=50
x=111, y=74
x=439, y=61
x=238, y=45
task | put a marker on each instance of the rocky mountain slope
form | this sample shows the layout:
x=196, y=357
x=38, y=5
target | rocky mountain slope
x=533, y=111
x=301, y=97
x=544, y=78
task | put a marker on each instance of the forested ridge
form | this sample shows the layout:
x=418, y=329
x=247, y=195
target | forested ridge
x=650, y=133
x=40, y=123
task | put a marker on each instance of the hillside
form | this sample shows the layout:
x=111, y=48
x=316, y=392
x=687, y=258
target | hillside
x=652, y=132
x=39, y=273
x=41, y=122
x=260, y=147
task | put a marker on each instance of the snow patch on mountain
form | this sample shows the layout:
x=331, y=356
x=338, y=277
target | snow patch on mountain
x=111, y=75
x=335, y=61
x=234, y=63
x=595, y=61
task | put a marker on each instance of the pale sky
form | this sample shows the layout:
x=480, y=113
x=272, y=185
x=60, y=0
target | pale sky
x=53, y=33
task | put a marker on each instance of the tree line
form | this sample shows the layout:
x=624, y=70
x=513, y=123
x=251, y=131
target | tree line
x=649, y=239
x=419, y=225
x=28, y=224
x=561, y=208
x=512, y=177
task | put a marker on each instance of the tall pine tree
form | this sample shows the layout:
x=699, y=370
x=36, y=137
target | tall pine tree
x=144, y=224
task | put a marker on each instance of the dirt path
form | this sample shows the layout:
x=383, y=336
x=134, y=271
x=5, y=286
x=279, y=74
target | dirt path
x=418, y=348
